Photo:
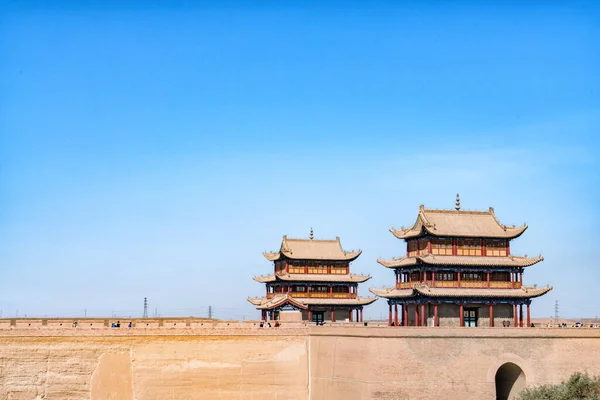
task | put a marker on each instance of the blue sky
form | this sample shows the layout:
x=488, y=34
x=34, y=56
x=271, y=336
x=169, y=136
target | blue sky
x=157, y=151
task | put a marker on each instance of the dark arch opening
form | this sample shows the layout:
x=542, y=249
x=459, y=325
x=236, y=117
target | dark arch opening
x=510, y=380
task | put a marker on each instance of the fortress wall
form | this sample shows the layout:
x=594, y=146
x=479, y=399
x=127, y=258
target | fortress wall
x=429, y=363
x=284, y=363
x=71, y=365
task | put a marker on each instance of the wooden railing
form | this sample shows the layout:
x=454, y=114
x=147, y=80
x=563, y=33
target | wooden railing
x=324, y=295
x=501, y=285
x=463, y=284
x=450, y=284
x=473, y=284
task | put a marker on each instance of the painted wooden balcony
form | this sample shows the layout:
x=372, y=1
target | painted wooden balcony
x=462, y=284
x=317, y=295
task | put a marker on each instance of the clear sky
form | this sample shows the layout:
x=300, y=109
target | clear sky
x=157, y=150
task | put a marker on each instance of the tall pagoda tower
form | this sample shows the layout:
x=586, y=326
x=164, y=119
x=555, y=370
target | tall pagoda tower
x=312, y=276
x=459, y=271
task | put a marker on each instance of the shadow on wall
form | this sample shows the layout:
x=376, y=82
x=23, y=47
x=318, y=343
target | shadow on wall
x=510, y=380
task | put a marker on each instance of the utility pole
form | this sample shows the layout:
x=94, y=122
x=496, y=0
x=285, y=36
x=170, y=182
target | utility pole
x=556, y=310
x=85, y=313
x=209, y=312
x=145, y=308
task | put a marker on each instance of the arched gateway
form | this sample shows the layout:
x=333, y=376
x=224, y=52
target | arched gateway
x=510, y=380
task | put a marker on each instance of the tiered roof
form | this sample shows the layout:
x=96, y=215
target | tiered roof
x=343, y=278
x=476, y=261
x=262, y=303
x=458, y=223
x=312, y=249
x=525, y=292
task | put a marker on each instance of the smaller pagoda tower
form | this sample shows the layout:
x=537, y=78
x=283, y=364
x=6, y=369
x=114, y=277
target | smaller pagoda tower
x=312, y=276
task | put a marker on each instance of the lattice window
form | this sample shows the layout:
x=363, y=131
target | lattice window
x=413, y=248
x=496, y=247
x=445, y=276
x=317, y=268
x=296, y=268
x=340, y=289
x=423, y=246
x=338, y=268
x=472, y=276
x=441, y=246
x=469, y=247
x=500, y=277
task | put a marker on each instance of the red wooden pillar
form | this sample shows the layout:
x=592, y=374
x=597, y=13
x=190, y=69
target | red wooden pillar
x=396, y=314
x=405, y=316
x=528, y=316
x=458, y=278
x=488, y=279
x=390, y=317
x=515, y=316
x=351, y=312
x=330, y=291
x=416, y=315
x=263, y=315
x=512, y=281
x=435, y=316
x=333, y=315
x=433, y=278
x=410, y=279
x=309, y=316
x=491, y=315
x=521, y=315
x=423, y=315
x=361, y=320
x=462, y=321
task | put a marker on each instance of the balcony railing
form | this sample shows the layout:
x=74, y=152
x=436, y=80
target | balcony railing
x=473, y=284
x=317, y=295
x=463, y=284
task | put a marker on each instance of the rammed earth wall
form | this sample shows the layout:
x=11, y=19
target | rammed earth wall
x=317, y=363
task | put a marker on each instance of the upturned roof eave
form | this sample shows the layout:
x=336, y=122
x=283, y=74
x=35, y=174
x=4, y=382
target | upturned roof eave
x=423, y=226
x=426, y=292
x=467, y=261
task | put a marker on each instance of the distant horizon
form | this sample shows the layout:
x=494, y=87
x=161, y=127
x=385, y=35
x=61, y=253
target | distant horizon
x=157, y=150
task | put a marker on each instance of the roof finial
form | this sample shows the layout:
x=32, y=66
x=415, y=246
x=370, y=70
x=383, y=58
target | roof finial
x=311, y=234
x=457, y=202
